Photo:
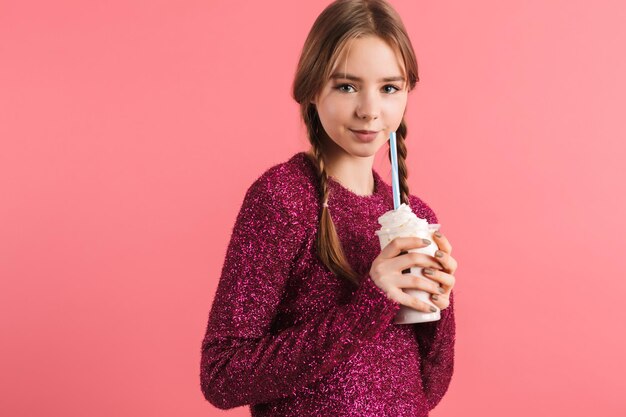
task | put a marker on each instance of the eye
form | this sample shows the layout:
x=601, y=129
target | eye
x=394, y=88
x=344, y=88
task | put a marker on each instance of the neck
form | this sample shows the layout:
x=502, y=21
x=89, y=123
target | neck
x=352, y=172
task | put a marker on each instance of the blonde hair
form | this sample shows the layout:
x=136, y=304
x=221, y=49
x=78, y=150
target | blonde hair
x=338, y=23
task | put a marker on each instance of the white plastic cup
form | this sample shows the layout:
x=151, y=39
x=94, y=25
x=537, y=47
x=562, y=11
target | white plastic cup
x=408, y=315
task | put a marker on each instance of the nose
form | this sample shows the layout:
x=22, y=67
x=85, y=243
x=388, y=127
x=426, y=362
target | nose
x=368, y=107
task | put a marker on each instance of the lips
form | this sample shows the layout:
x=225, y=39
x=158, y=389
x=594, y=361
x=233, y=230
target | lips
x=365, y=135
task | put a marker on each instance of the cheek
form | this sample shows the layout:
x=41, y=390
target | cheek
x=333, y=112
x=395, y=110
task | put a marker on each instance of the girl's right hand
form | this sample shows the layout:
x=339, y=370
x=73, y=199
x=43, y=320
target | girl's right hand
x=386, y=271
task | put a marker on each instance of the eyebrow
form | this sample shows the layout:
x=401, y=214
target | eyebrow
x=355, y=78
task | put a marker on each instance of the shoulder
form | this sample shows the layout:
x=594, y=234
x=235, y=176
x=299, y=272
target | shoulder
x=289, y=186
x=422, y=210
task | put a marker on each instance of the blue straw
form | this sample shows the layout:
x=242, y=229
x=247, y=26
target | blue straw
x=395, y=183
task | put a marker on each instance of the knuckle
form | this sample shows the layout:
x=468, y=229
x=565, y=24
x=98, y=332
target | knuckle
x=452, y=281
x=377, y=269
x=416, y=281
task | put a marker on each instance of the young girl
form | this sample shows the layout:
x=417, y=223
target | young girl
x=302, y=320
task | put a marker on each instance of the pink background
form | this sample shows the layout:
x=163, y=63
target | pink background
x=130, y=131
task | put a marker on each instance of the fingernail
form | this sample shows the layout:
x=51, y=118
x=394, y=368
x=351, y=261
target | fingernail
x=433, y=309
x=441, y=290
x=434, y=297
x=426, y=241
x=439, y=254
x=438, y=234
x=428, y=271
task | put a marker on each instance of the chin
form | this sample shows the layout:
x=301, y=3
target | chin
x=365, y=151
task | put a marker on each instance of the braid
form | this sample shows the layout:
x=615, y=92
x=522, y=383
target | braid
x=403, y=172
x=323, y=175
x=329, y=247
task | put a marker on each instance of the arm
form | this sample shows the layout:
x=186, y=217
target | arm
x=436, y=346
x=436, y=349
x=241, y=361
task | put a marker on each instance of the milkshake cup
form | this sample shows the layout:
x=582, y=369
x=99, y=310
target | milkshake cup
x=404, y=223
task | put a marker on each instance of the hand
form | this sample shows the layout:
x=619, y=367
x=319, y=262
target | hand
x=445, y=276
x=387, y=267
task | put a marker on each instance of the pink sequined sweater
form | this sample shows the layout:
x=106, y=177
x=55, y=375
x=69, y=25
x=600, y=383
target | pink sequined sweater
x=287, y=337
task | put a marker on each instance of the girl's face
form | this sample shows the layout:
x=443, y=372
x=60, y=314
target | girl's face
x=366, y=92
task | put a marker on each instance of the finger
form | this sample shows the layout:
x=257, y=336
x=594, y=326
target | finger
x=412, y=259
x=417, y=282
x=446, y=260
x=400, y=244
x=442, y=242
x=444, y=279
x=410, y=301
x=442, y=301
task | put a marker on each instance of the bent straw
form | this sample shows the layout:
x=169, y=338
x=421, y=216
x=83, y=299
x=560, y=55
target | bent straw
x=395, y=185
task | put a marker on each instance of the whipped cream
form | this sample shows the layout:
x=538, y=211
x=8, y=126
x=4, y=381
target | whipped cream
x=402, y=218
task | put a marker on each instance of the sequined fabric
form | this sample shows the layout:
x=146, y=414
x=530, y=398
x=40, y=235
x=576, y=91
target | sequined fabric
x=288, y=338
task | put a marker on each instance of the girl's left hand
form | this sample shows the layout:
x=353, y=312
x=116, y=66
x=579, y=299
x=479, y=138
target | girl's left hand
x=446, y=277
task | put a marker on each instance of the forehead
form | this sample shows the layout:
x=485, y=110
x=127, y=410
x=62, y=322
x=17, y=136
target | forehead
x=368, y=57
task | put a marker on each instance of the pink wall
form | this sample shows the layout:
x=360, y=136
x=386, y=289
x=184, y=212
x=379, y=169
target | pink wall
x=131, y=130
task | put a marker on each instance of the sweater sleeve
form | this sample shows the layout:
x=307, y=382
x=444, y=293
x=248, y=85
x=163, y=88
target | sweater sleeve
x=436, y=347
x=242, y=360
